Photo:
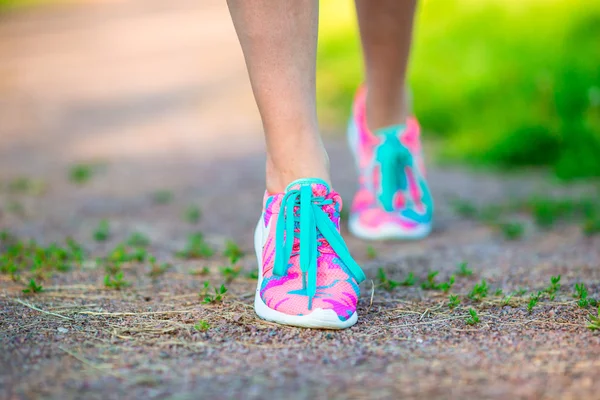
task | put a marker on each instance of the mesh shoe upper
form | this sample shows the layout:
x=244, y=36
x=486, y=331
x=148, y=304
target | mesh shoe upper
x=392, y=187
x=336, y=283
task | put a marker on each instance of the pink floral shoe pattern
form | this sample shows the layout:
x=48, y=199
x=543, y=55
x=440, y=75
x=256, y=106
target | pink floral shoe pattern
x=307, y=277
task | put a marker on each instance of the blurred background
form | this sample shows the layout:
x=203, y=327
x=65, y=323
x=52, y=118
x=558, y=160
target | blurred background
x=496, y=83
x=506, y=83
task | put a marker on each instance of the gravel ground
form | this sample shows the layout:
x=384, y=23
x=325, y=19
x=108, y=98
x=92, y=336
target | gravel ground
x=155, y=97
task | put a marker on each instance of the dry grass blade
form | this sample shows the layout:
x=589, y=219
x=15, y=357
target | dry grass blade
x=436, y=321
x=372, y=295
x=26, y=304
x=123, y=314
x=103, y=368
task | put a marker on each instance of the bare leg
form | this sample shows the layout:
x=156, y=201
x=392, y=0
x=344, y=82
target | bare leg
x=386, y=34
x=279, y=41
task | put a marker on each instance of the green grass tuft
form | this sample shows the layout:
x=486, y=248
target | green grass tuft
x=202, y=326
x=192, y=214
x=102, y=231
x=479, y=291
x=453, y=301
x=208, y=297
x=473, y=318
x=463, y=270
x=196, y=247
x=162, y=197
x=33, y=287
x=233, y=251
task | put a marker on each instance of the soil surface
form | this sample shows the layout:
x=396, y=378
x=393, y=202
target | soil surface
x=153, y=96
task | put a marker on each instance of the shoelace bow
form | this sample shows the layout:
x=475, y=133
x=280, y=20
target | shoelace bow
x=302, y=207
x=393, y=158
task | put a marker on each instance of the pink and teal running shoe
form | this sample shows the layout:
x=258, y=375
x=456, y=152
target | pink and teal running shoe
x=393, y=200
x=306, y=276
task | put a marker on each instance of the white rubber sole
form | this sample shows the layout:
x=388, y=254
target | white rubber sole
x=318, y=318
x=387, y=231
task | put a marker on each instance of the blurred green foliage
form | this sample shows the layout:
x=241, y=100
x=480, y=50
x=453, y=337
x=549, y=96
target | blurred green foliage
x=11, y=4
x=506, y=83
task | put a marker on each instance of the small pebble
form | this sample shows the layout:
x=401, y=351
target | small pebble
x=62, y=330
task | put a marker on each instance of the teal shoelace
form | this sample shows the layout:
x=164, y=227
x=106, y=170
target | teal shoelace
x=302, y=207
x=393, y=158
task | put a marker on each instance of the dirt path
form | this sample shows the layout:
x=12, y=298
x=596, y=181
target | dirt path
x=155, y=96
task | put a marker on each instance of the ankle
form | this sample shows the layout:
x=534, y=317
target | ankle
x=280, y=174
x=386, y=109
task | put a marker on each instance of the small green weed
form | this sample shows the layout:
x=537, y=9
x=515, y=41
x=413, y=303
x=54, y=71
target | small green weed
x=157, y=269
x=385, y=282
x=547, y=210
x=491, y=214
x=102, y=231
x=137, y=239
x=430, y=283
x=506, y=300
x=463, y=270
x=192, y=214
x=122, y=254
x=534, y=298
x=453, y=301
x=473, y=318
x=203, y=271
x=162, y=197
x=11, y=268
x=409, y=280
x=446, y=286
x=546, y=213
x=389, y=284
x=230, y=273
x=498, y=292
x=464, y=208
x=81, y=173
x=233, y=252
x=6, y=236
x=75, y=250
x=344, y=214
x=594, y=322
x=371, y=253
x=554, y=287
x=26, y=186
x=20, y=256
x=521, y=292
x=591, y=227
x=581, y=293
x=202, y=326
x=33, y=287
x=210, y=298
x=512, y=230
x=479, y=291
x=252, y=274
x=196, y=247
x=116, y=281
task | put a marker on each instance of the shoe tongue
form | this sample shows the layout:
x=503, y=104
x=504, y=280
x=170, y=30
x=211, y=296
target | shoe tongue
x=319, y=186
x=393, y=130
